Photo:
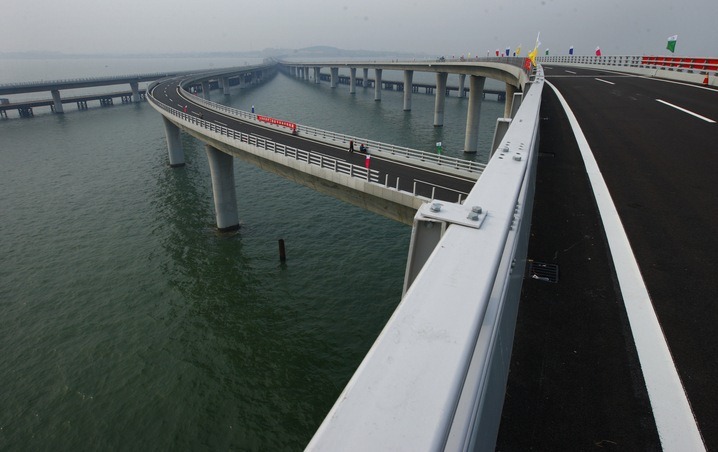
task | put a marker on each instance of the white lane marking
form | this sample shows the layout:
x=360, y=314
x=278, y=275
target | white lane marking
x=686, y=111
x=605, y=81
x=570, y=72
x=672, y=412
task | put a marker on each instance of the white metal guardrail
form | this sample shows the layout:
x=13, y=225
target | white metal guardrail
x=376, y=147
x=436, y=375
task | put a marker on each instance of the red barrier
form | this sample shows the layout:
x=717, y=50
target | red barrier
x=697, y=64
x=277, y=122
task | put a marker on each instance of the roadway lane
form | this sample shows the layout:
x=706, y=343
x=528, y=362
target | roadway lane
x=448, y=186
x=660, y=165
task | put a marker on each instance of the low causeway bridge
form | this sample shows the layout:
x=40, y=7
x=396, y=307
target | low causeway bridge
x=615, y=353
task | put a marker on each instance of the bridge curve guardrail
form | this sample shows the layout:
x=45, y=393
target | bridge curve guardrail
x=301, y=155
x=376, y=147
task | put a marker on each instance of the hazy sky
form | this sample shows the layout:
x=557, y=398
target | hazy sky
x=436, y=27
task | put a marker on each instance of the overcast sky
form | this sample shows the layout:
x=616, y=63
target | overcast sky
x=435, y=27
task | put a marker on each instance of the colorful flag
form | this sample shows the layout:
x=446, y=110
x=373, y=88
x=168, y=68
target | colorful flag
x=518, y=50
x=508, y=51
x=546, y=52
x=672, y=43
x=497, y=52
x=598, y=51
x=570, y=50
x=534, y=52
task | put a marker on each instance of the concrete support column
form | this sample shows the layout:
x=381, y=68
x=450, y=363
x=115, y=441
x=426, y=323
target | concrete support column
x=306, y=73
x=57, y=101
x=225, y=85
x=440, y=99
x=221, y=167
x=352, y=80
x=510, y=90
x=174, y=143
x=135, y=91
x=462, y=82
x=365, y=82
x=317, y=72
x=377, y=84
x=334, y=77
x=476, y=93
x=408, y=88
x=205, y=89
x=516, y=103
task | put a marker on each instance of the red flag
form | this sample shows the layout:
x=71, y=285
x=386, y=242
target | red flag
x=598, y=51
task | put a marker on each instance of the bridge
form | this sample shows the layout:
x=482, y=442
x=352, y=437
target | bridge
x=435, y=377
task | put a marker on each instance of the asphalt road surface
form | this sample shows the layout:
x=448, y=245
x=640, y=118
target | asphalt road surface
x=576, y=382
x=448, y=186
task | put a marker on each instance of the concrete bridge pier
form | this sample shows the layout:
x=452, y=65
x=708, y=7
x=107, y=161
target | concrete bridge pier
x=221, y=167
x=408, y=89
x=352, y=80
x=462, y=82
x=365, y=82
x=317, y=72
x=135, y=87
x=334, y=71
x=510, y=91
x=517, y=98
x=476, y=93
x=306, y=73
x=205, y=89
x=440, y=98
x=377, y=84
x=174, y=143
x=57, y=101
x=225, y=85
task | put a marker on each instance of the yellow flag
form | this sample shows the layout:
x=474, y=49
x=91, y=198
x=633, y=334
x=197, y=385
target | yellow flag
x=534, y=52
x=532, y=56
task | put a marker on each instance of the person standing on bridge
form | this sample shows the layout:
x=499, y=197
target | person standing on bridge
x=351, y=146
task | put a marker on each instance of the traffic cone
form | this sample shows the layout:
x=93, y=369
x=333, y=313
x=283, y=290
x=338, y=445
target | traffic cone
x=705, y=80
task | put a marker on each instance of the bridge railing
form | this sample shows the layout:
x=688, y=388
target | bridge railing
x=309, y=157
x=375, y=147
x=690, y=65
x=436, y=376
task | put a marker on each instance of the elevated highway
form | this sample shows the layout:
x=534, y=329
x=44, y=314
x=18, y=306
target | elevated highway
x=617, y=351
x=445, y=346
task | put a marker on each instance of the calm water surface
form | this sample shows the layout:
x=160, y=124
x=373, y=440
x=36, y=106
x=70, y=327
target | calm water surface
x=129, y=323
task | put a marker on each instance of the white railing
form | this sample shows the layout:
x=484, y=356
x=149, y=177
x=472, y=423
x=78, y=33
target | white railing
x=435, y=377
x=328, y=136
x=309, y=157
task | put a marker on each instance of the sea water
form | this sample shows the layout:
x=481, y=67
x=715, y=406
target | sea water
x=127, y=322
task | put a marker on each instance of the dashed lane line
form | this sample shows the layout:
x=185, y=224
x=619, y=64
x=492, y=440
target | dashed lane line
x=605, y=81
x=675, y=422
x=686, y=111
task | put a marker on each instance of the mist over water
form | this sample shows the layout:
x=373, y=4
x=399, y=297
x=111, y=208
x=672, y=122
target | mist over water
x=128, y=322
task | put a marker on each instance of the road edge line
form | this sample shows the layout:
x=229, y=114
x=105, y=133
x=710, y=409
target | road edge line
x=675, y=422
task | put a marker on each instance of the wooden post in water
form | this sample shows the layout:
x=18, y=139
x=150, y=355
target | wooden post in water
x=282, y=252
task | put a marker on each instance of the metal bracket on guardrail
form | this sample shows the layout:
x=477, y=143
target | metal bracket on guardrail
x=470, y=216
